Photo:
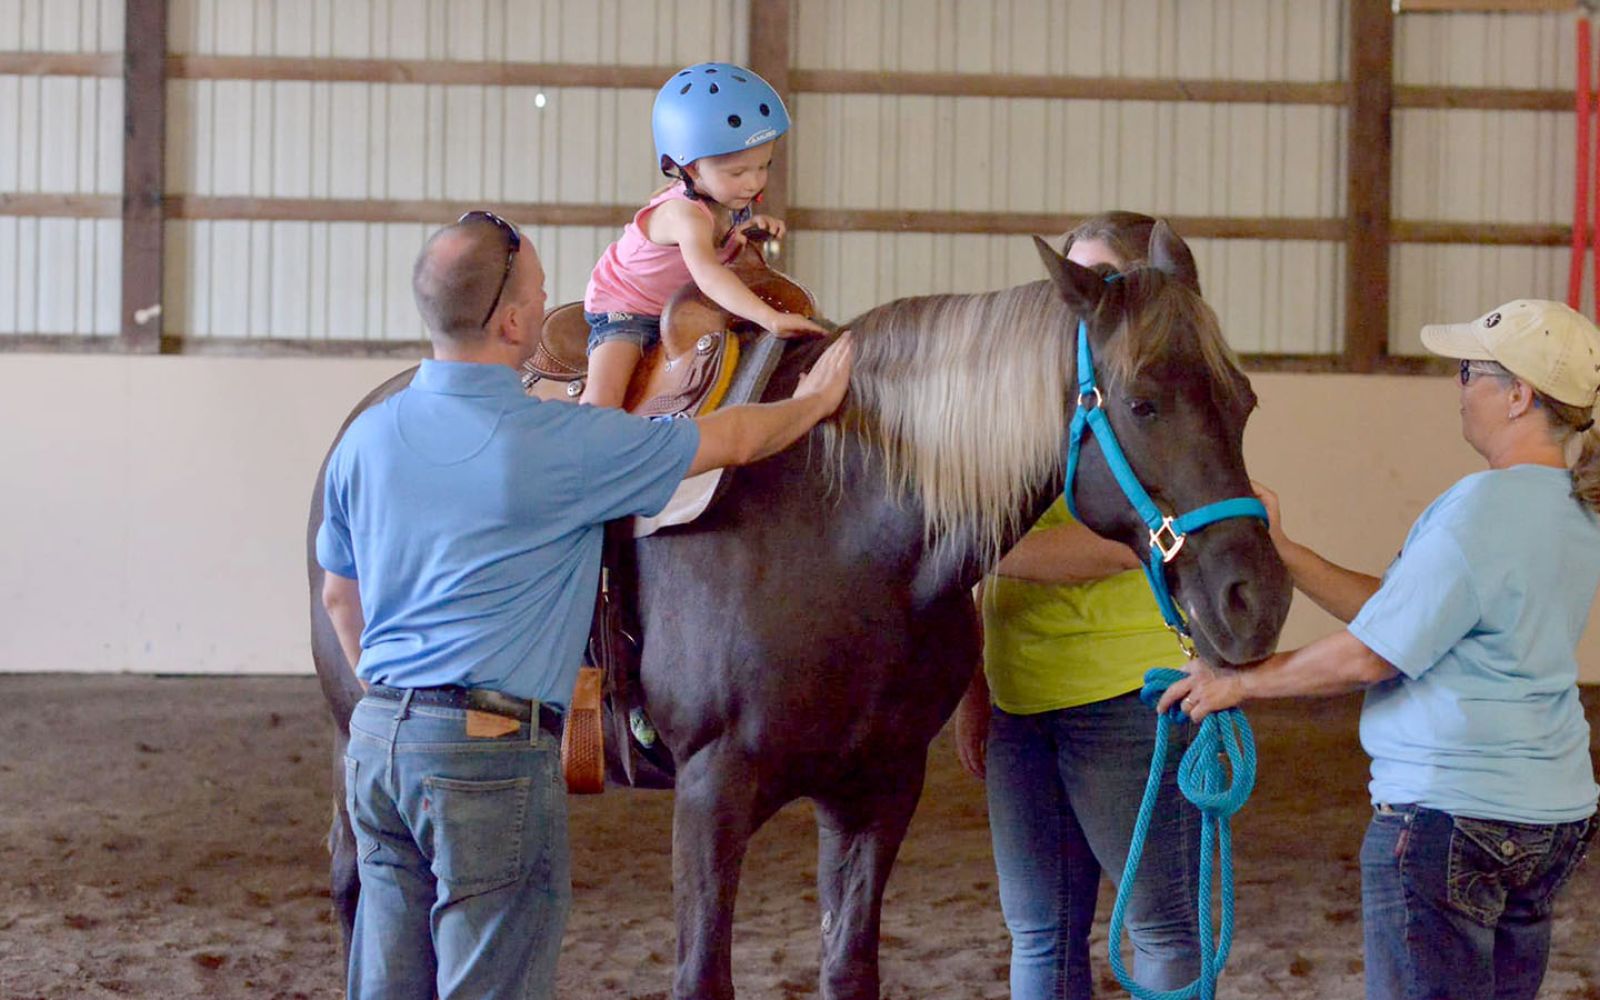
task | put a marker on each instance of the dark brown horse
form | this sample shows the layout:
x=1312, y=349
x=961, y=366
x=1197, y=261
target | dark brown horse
x=810, y=634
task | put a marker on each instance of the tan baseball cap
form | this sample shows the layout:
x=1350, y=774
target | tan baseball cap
x=1550, y=346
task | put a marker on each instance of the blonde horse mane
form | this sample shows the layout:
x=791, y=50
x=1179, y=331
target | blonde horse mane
x=965, y=396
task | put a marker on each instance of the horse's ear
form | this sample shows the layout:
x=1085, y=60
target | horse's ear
x=1078, y=286
x=1170, y=255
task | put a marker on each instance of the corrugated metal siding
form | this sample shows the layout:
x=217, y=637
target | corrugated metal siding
x=60, y=135
x=981, y=154
x=578, y=145
x=1480, y=166
x=587, y=145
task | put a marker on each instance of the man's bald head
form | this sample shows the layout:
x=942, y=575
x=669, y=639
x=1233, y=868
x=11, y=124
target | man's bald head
x=456, y=277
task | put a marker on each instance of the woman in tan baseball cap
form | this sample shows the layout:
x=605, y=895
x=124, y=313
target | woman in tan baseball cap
x=1482, y=787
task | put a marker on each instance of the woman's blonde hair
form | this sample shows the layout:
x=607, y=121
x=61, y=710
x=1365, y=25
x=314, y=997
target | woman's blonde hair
x=1565, y=421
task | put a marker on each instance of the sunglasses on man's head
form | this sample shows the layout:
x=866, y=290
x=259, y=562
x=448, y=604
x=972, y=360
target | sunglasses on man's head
x=513, y=244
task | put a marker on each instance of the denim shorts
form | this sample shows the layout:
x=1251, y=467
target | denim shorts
x=643, y=332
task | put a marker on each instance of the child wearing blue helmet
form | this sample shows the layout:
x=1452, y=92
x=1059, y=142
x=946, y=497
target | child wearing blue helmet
x=714, y=126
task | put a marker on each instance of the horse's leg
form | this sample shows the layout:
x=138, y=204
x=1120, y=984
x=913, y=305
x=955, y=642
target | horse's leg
x=343, y=879
x=858, y=837
x=717, y=808
x=341, y=690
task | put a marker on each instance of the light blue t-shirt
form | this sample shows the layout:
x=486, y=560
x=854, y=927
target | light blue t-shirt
x=472, y=517
x=1481, y=614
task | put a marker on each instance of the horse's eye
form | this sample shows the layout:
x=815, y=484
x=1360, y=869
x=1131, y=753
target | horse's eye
x=1142, y=408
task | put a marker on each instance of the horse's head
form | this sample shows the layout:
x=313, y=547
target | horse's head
x=1178, y=403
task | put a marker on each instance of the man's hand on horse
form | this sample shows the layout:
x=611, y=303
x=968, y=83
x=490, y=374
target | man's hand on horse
x=1205, y=690
x=830, y=376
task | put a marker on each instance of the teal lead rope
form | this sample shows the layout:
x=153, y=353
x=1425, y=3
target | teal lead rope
x=1204, y=781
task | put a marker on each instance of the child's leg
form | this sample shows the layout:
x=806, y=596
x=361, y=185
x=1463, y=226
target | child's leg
x=616, y=343
x=611, y=366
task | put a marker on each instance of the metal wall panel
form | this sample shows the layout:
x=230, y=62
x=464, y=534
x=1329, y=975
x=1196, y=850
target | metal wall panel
x=60, y=135
x=980, y=154
x=1480, y=166
x=292, y=139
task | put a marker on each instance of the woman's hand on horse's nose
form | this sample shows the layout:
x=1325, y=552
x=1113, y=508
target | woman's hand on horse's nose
x=830, y=376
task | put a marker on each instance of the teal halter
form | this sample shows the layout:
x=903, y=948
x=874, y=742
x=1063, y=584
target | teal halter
x=1201, y=776
x=1167, y=534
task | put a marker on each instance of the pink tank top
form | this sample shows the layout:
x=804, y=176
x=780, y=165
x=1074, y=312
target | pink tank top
x=635, y=275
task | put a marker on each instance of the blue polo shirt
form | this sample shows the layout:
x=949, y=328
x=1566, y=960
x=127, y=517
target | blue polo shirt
x=472, y=517
x=1481, y=613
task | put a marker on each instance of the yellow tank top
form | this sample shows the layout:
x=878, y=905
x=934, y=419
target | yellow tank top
x=1050, y=646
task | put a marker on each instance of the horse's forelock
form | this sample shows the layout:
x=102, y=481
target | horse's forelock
x=1162, y=317
x=964, y=397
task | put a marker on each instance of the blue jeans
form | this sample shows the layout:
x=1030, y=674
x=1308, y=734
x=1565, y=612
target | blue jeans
x=462, y=849
x=1457, y=908
x=1064, y=790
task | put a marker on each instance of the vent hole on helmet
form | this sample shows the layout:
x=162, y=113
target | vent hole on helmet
x=714, y=88
x=683, y=72
x=766, y=112
x=740, y=78
x=735, y=121
x=686, y=87
x=711, y=69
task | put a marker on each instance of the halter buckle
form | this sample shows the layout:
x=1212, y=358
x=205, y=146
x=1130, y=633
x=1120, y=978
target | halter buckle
x=1093, y=393
x=1168, y=551
x=1185, y=644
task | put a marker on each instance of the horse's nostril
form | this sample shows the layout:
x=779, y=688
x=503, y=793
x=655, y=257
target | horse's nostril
x=1237, y=597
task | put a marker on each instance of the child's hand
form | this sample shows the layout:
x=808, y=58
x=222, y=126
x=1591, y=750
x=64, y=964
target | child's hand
x=774, y=228
x=830, y=376
x=787, y=325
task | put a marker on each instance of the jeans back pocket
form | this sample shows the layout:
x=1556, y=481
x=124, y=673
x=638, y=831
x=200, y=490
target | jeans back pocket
x=475, y=830
x=1491, y=860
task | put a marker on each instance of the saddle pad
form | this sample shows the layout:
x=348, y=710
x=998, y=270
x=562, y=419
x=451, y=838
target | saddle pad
x=688, y=502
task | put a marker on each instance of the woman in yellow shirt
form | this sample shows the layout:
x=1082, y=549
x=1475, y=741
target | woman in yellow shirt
x=1054, y=724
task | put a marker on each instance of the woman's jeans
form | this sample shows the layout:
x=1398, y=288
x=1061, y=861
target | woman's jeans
x=1064, y=791
x=462, y=849
x=1460, y=909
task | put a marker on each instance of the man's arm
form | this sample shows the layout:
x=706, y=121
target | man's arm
x=1067, y=553
x=341, y=596
x=740, y=435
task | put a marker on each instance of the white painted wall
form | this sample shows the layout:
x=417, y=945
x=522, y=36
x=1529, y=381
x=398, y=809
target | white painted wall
x=154, y=509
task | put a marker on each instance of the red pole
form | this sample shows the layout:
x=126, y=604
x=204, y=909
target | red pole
x=1580, y=208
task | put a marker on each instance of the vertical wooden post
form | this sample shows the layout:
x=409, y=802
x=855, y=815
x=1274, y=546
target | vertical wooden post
x=1369, y=166
x=770, y=56
x=144, y=96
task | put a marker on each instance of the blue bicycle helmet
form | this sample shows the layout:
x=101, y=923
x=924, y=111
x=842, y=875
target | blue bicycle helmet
x=714, y=108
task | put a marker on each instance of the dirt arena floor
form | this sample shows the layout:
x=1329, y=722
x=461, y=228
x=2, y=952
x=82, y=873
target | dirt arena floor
x=164, y=838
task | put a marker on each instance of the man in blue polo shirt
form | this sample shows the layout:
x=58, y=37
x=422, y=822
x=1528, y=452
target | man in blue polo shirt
x=1482, y=787
x=461, y=540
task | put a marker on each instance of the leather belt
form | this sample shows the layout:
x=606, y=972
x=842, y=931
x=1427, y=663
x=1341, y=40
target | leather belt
x=478, y=700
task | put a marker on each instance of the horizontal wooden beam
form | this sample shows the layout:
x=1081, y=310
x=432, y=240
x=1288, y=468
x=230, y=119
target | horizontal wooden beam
x=61, y=343
x=291, y=347
x=1482, y=6
x=1479, y=233
x=456, y=72
x=61, y=206
x=1067, y=87
x=1482, y=99
x=1041, y=223
x=201, y=208
x=60, y=64
x=435, y=71
x=392, y=211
